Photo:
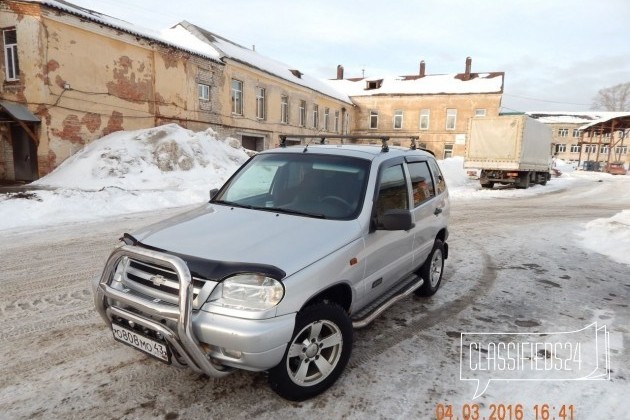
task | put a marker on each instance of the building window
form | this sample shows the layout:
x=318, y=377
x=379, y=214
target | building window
x=11, y=66
x=424, y=119
x=203, y=91
x=284, y=109
x=576, y=132
x=448, y=151
x=563, y=132
x=561, y=148
x=374, y=119
x=261, y=109
x=604, y=149
x=621, y=150
x=575, y=148
x=315, y=116
x=336, y=121
x=346, y=123
x=237, y=97
x=606, y=135
x=302, y=113
x=590, y=148
x=451, y=118
x=326, y=118
x=398, y=119
x=480, y=112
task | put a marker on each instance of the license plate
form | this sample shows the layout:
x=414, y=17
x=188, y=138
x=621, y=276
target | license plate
x=147, y=345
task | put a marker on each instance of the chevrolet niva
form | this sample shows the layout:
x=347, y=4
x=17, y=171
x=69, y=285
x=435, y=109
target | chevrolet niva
x=299, y=246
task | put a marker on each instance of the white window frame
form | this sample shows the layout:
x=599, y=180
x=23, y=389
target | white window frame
x=604, y=149
x=425, y=116
x=373, y=120
x=302, y=113
x=397, y=123
x=451, y=118
x=576, y=132
x=237, y=97
x=336, y=121
x=621, y=150
x=326, y=118
x=575, y=148
x=448, y=151
x=563, y=132
x=284, y=109
x=11, y=62
x=315, y=116
x=590, y=148
x=203, y=91
x=480, y=112
x=561, y=148
x=261, y=108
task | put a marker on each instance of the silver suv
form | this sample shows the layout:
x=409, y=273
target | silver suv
x=300, y=246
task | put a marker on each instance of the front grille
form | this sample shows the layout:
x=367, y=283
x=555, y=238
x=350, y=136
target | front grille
x=158, y=282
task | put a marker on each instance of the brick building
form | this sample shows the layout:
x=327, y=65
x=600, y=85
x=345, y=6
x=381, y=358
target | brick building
x=436, y=108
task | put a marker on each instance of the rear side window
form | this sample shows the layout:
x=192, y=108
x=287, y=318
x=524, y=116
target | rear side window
x=421, y=182
x=440, y=184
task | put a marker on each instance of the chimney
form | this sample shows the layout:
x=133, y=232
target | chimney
x=339, y=72
x=422, y=68
x=468, y=66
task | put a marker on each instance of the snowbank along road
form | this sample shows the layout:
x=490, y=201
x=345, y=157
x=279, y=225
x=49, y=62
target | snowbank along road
x=515, y=266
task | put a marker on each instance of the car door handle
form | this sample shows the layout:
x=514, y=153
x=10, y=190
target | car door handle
x=437, y=211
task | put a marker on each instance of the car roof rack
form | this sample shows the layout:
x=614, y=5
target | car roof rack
x=322, y=140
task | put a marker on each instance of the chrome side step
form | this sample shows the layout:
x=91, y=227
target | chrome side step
x=372, y=311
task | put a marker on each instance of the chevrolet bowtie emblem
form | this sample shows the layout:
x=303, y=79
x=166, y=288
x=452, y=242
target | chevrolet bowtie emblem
x=157, y=280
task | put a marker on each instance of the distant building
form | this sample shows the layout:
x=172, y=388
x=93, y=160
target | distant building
x=571, y=145
x=435, y=107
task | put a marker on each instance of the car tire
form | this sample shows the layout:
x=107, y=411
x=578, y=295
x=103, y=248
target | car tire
x=489, y=184
x=317, y=353
x=432, y=270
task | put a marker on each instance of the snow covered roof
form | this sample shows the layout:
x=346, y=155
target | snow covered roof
x=251, y=58
x=181, y=41
x=587, y=119
x=427, y=85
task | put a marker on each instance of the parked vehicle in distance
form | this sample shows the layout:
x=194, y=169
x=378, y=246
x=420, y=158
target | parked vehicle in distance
x=509, y=149
x=299, y=246
x=615, y=168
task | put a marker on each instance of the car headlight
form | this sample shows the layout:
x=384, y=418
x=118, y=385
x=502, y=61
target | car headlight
x=253, y=292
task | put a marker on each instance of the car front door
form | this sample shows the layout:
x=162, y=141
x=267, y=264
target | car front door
x=387, y=253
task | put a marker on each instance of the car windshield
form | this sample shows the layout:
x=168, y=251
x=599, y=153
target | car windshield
x=307, y=184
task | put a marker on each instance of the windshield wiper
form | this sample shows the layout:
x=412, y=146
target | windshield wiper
x=231, y=203
x=291, y=211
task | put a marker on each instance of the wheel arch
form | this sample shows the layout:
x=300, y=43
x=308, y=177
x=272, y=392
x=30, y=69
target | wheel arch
x=340, y=293
x=443, y=236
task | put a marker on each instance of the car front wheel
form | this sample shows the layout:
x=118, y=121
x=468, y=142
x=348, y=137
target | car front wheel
x=317, y=354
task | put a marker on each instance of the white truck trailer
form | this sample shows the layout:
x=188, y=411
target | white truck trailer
x=509, y=149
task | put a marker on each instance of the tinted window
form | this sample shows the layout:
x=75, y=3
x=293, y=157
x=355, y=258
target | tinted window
x=392, y=192
x=421, y=182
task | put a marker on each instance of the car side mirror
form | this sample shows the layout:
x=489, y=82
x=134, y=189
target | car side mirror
x=213, y=192
x=397, y=219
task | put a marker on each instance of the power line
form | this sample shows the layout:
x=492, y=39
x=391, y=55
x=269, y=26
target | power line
x=545, y=100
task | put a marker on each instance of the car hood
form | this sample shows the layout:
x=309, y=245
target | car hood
x=238, y=235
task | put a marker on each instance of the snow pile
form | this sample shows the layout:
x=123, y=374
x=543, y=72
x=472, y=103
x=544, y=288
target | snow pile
x=127, y=172
x=610, y=237
x=165, y=157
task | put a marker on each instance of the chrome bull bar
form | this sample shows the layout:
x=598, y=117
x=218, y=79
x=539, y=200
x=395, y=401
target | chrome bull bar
x=183, y=340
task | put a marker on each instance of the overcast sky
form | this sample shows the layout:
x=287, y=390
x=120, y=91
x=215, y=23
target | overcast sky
x=556, y=54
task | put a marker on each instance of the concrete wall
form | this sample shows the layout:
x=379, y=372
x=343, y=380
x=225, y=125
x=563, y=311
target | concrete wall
x=85, y=81
x=271, y=126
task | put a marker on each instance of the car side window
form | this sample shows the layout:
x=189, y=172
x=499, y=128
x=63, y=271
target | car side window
x=421, y=182
x=440, y=184
x=392, y=192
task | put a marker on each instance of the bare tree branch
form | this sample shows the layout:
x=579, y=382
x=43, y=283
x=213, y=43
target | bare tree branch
x=615, y=98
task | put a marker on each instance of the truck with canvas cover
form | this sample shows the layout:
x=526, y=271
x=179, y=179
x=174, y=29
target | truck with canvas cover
x=509, y=149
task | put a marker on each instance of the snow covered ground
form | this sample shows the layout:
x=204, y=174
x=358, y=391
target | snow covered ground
x=168, y=166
